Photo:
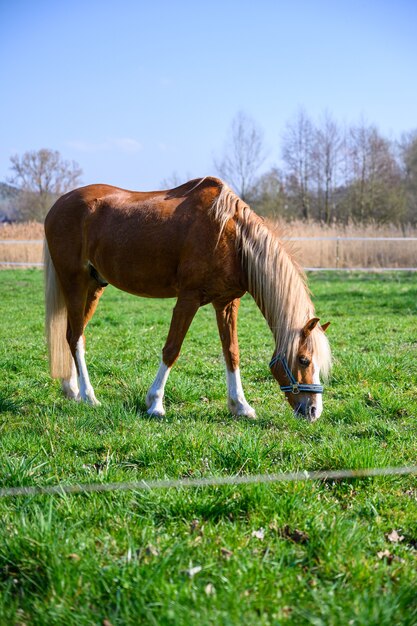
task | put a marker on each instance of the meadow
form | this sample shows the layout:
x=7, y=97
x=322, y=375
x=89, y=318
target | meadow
x=319, y=553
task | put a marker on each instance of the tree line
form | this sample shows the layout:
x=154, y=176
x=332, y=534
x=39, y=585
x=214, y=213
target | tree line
x=329, y=173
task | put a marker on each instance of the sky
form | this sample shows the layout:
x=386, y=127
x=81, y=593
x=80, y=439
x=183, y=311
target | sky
x=139, y=92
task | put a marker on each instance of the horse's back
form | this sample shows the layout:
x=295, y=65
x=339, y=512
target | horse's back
x=149, y=243
x=123, y=204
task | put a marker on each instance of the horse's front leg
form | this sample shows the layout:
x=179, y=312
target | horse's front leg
x=183, y=314
x=227, y=324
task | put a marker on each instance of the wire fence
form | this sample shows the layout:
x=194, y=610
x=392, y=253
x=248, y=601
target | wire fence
x=360, y=269
x=13, y=242
x=20, y=264
x=210, y=481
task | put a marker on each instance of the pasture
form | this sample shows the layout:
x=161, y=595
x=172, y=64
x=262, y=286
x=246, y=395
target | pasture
x=305, y=553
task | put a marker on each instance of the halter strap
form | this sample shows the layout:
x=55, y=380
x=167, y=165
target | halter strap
x=295, y=387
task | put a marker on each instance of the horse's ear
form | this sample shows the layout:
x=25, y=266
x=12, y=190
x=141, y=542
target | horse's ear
x=311, y=324
x=325, y=326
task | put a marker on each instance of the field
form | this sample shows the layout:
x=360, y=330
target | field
x=320, y=553
x=322, y=251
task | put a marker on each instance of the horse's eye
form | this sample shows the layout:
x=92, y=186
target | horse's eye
x=304, y=361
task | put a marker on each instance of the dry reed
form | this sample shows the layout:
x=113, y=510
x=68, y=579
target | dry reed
x=29, y=251
x=316, y=252
x=335, y=246
x=22, y=230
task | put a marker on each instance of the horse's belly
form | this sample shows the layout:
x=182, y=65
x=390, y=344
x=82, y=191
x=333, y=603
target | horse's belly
x=145, y=290
x=142, y=277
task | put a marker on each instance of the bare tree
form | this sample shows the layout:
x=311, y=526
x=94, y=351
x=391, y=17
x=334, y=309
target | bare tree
x=327, y=158
x=244, y=155
x=42, y=176
x=408, y=156
x=268, y=197
x=375, y=188
x=174, y=180
x=297, y=154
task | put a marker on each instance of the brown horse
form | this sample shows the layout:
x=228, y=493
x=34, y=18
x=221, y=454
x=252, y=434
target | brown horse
x=199, y=243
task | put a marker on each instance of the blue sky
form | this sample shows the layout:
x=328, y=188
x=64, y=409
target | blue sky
x=135, y=91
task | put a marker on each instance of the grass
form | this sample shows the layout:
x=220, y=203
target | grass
x=308, y=553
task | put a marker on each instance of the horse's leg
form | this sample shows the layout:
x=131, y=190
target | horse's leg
x=227, y=324
x=184, y=311
x=70, y=385
x=81, y=305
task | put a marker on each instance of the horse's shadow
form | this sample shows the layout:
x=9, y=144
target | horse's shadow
x=196, y=413
x=9, y=404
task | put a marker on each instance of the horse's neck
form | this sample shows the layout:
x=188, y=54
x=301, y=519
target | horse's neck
x=273, y=278
x=279, y=317
x=276, y=284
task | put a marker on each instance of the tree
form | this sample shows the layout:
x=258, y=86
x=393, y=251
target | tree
x=327, y=157
x=408, y=152
x=375, y=190
x=244, y=154
x=297, y=154
x=268, y=195
x=174, y=180
x=42, y=176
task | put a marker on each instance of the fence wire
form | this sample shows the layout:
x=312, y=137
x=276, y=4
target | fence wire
x=209, y=481
x=20, y=264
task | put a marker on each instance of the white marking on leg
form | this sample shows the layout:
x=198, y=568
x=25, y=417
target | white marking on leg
x=155, y=395
x=236, y=400
x=86, y=389
x=316, y=381
x=70, y=385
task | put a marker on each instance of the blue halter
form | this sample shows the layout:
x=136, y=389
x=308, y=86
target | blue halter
x=295, y=387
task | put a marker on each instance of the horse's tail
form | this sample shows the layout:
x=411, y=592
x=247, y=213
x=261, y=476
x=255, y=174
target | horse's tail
x=55, y=321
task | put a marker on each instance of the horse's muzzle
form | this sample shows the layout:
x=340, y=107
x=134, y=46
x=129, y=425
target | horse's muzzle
x=307, y=410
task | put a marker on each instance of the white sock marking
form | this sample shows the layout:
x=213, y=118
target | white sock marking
x=70, y=385
x=86, y=389
x=235, y=395
x=155, y=395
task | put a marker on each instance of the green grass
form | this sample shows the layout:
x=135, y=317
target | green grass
x=324, y=557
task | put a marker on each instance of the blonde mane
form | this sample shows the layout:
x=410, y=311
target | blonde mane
x=275, y=280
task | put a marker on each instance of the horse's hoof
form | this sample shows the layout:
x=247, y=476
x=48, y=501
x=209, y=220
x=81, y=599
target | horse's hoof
x=69, y=392
x=158, y=413
x=154, y=406
x=242, y=411
x=92, y=401
x=73, y=396
x=250, y=415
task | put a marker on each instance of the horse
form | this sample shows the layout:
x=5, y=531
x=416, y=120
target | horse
x=199, y=243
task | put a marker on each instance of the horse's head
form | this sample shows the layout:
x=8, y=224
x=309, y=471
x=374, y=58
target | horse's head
x=299, y=377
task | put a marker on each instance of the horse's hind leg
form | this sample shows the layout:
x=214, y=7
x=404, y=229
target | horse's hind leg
x=70, y=385
x=81, y=308
x=227, y=323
